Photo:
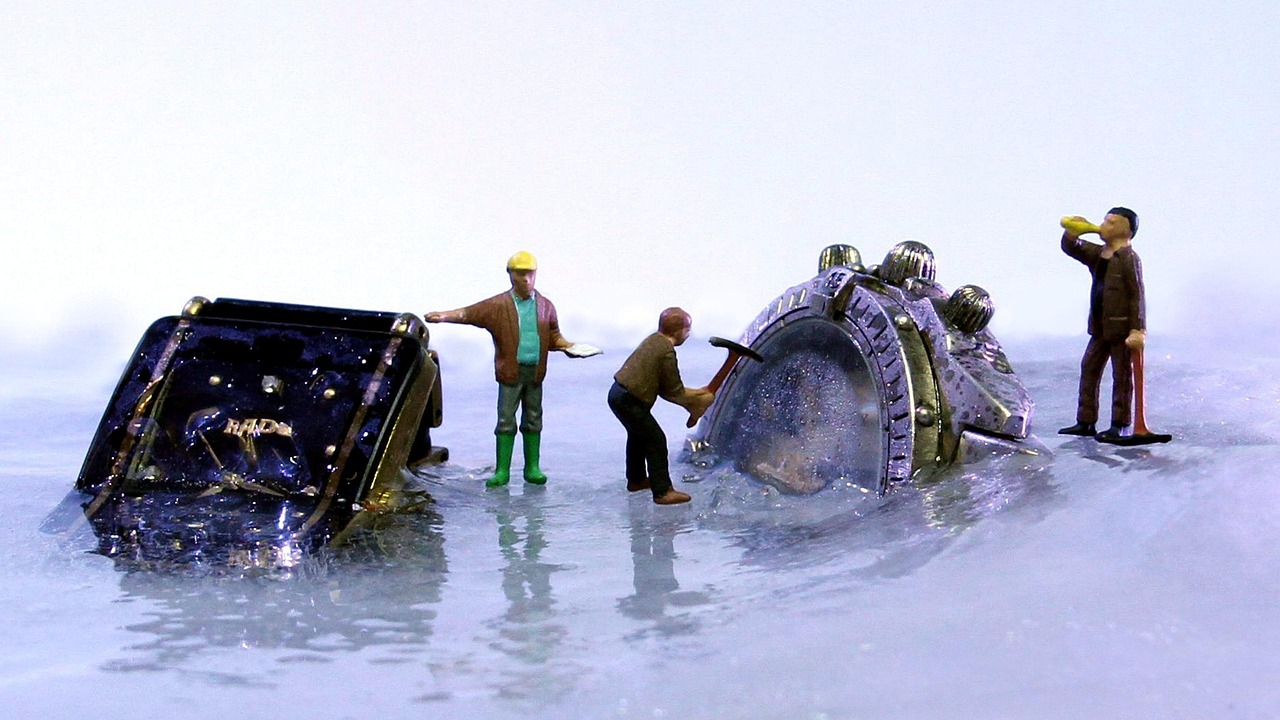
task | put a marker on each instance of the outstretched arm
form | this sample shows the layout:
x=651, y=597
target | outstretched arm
x=447, y=316
x=672, y=389
x=695, y=400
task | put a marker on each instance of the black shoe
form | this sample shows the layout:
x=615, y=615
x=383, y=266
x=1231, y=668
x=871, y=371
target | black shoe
x=1080, y=428
x=1115, y=435
x=1147, y=438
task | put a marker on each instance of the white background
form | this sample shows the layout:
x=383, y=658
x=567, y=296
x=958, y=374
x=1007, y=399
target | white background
x=390, y=156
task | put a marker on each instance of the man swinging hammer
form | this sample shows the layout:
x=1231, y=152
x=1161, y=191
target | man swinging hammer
x=649, y=373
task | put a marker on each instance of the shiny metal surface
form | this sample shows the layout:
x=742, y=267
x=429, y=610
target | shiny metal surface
x=867, y=381
x=908, y=259
x=840, y=256
x=969, y=309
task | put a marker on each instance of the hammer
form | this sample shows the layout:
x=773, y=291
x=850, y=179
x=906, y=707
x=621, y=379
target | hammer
x=735, y=351
x=1142, y=435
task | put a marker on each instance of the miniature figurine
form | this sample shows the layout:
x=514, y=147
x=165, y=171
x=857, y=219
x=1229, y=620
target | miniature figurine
x=1117, y=322
x=524, y=327
x=652, y=371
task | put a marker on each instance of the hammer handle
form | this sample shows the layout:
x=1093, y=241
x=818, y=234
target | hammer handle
x=723, y=372
x=714, y=385
x=1139, y=399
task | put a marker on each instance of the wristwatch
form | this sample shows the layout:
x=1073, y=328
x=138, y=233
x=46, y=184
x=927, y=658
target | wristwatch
x=870, y=376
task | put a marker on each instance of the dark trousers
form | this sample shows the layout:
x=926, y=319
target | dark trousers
x=1095, y=359
x=646, y=443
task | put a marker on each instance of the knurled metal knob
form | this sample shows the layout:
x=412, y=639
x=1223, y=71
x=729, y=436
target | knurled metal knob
x=840, y=256
x=969, y=309
x=906, y=260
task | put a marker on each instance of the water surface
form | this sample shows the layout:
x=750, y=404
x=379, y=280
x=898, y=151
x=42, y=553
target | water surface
x=1098, y=582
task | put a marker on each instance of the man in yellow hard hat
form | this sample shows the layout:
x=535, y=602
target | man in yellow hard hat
x=524, y=328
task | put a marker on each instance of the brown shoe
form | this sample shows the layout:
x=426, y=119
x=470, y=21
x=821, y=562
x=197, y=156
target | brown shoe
x=638, y=485
x=672, y=497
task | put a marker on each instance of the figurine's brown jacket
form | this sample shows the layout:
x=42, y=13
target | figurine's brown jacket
x=652, y=370
x=1123, y=299
x=498, y=315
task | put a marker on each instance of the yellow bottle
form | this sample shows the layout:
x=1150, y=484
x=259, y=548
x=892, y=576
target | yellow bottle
x=1077, y=225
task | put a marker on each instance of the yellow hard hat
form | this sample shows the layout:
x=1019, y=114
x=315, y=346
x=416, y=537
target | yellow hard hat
x=522, y=261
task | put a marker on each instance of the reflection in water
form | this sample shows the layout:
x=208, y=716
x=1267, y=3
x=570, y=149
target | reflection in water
x=529, y=630
x=379, y=596
x=653, y=576
x=872, y=538
x=1122, y=546
x=1133, y=459
x=954, y=499
x=378, y=591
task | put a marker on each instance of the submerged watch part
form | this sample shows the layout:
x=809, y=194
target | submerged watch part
x=249, y=432
x=870, y=375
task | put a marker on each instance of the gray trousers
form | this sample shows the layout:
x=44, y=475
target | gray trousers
x=526, y=393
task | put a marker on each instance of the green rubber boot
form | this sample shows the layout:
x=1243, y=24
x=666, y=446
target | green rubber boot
x=502, y=473
x=532, y=448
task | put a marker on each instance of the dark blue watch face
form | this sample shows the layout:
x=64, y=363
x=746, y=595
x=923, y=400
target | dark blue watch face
x=226, y=428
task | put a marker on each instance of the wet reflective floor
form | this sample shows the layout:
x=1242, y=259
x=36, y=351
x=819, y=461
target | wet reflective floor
x=1095, y=582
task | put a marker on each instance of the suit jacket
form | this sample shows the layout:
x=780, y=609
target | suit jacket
x=1124, y=306
x=498, y=315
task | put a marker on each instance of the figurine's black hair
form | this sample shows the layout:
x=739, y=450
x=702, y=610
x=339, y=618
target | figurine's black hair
x=1129, y=215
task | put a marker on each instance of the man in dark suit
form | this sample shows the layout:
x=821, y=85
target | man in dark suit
x=1117, y=321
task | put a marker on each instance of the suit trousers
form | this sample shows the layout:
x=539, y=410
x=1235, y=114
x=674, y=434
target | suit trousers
x=1095, y=359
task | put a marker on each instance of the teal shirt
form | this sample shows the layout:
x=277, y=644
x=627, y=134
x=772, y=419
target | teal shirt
x=530, y=347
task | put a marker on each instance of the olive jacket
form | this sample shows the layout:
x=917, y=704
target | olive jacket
x=652, y=371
